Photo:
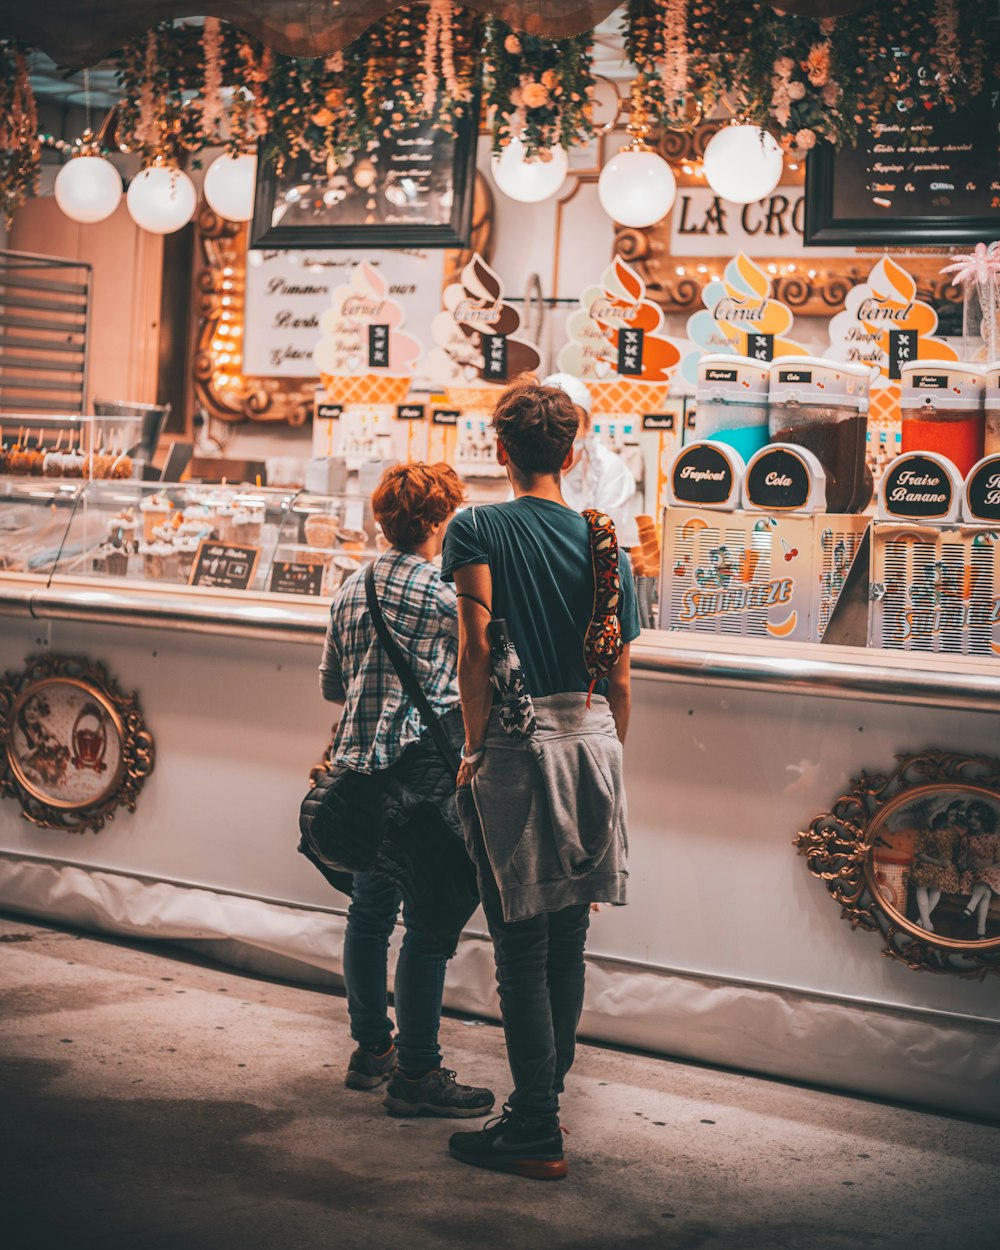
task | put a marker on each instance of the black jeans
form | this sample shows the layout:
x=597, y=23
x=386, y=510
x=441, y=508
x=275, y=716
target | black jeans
x=540, y=976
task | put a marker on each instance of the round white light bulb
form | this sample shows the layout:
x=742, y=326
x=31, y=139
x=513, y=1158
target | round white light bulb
x=161, y=200
x=88, y=189
x=229, y=186
x=637, y=187
x=742, y=164
x=529, y=181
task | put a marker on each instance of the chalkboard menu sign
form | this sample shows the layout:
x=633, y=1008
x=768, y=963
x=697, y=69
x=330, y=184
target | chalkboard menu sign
x=226, y=566
x=929, y=181
x=296, y=579
x=413, y=188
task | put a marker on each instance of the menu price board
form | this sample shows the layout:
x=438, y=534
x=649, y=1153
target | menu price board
x=288, y=578
x=224, y=566
x=411, y=188
x=931, y=181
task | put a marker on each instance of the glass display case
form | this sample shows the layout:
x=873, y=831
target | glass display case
x=33, y=520
x=70, y=447
x=231, y=537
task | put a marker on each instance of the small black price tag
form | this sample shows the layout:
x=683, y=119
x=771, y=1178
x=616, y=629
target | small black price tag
x=227, y=565
x=902, y=349
x=702, y=474
x=378, y=347
x=760, y=346
x=779, y=480
x=659, y=421
x=495, y=357
x=296, y=579
x=982, y=491
x=445, y=416
x=716, y=374
x=915, y=486
x=329, y=412
x=630, y=352
x=410, y=412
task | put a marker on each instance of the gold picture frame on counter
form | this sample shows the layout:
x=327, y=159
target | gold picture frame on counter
x=915, y=856
x=74, y=746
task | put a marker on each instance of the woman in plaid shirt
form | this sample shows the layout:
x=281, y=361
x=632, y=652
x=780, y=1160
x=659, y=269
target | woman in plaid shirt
x=380, y=730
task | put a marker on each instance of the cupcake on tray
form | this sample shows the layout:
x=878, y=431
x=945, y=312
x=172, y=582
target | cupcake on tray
x=350, y=368
x=595, y=352
x=159, y=560
x=155, y=510
x=248, y=520
x=464, y=360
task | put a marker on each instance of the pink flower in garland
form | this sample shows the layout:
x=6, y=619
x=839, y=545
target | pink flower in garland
x=535, y=95
x=805, y=139
x=817, y=64
x=512, y=44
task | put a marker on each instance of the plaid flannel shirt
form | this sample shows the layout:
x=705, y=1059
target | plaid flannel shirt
x=422, y=612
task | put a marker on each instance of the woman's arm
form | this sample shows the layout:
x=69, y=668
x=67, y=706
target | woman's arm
x=620, y=693
x=474, y=665
x=331, y=677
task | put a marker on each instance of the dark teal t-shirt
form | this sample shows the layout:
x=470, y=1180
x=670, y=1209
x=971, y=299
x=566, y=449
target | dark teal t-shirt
x=543, y=584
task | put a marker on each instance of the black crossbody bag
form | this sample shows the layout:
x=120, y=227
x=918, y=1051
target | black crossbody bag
x=341, y=818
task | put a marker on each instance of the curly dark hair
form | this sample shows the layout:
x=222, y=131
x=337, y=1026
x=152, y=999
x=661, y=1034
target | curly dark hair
x=987, y=816
x=410, y=498
x=536, y=425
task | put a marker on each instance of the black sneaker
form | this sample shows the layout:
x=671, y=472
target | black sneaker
x=367, y=1070
x=532, y=1148
x=436, y=1093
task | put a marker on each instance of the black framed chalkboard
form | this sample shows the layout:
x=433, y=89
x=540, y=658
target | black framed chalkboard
x=412, y=189
x=934, y=184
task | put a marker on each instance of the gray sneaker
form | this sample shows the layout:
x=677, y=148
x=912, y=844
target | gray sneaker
x=437, y=1093
x=368, y=1071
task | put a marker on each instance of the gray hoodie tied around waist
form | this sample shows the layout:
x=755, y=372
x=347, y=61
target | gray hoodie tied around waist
x=551, y=809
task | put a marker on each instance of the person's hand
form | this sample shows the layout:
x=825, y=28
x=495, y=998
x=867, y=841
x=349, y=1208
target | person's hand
x=466, y=771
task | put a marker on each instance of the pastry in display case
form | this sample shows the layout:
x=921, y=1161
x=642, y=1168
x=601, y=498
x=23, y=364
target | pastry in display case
x=244, y=538
x=70, y=447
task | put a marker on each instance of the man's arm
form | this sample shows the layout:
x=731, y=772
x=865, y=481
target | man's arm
x=620, y=693
x=474, y=666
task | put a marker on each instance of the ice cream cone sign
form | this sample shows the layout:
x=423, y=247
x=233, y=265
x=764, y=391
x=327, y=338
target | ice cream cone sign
x=364, y=356
x=742, y=317
x=884, y=325
x=618, y=345
x=478, y=337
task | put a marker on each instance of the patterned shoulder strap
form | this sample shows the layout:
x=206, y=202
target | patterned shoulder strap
x=602, y=643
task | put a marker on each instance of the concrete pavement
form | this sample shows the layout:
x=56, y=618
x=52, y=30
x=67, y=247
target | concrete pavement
x=158, y=1102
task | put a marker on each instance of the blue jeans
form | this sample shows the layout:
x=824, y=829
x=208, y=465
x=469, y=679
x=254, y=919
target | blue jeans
x=540, y=979
x=419, y=976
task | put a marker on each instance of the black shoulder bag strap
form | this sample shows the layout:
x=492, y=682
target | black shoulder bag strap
x=406, y=674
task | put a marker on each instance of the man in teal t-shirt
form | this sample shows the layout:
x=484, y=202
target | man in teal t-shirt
x=544, y=814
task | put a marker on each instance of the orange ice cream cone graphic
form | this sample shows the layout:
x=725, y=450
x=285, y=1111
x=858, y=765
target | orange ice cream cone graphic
x=609, y=316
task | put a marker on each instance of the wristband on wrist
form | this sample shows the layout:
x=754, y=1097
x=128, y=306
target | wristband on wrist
x=474, y=756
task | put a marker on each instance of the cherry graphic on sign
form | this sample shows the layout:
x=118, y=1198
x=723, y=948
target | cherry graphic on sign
x=790, y=552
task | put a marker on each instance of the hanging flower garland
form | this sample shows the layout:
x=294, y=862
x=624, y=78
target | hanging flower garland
x=20, y=148
x=212, y=106
x=159, y=75
x=538, y=89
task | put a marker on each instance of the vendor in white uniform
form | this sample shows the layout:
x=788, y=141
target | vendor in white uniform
x=598, y=478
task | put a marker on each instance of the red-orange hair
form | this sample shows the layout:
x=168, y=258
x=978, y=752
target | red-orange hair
x=411, y=498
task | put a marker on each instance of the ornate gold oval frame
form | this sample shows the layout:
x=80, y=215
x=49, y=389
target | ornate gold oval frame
x=123, y=718
x=839, y=849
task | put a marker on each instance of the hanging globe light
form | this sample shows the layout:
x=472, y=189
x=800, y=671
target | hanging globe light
x=161, y=199
x=229, y=186
x=88, y=187
x=742, y=163
x=529, y=181
x=637, y=187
